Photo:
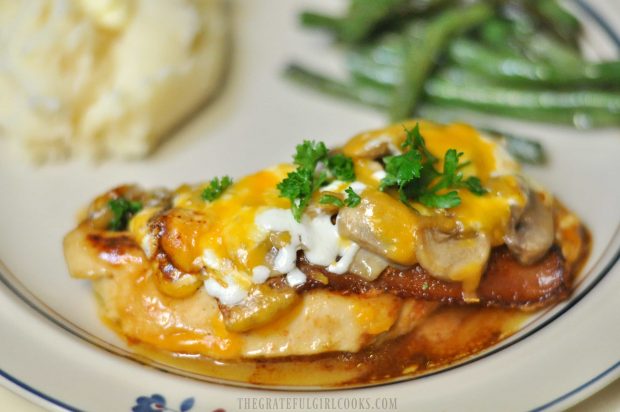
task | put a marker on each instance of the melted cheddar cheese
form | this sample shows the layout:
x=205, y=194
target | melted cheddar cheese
x=249, y=234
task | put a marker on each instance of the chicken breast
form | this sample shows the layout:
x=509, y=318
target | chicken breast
x=339, y=253
x=322, y=321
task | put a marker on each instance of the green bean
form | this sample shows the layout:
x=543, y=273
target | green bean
x=498, y=34
x=563, y=23
x=583, y=108
x=362, y=65
x=381, y=61
x=525, y=64
x=539, y=46
x=358, y=92
x=424, y=52
x=512, y=38
x=315, y=20
x=469, y=83
x=391, y=49
x=582, y=119
x=473, y=56
x=523, y=149
x=363, y=17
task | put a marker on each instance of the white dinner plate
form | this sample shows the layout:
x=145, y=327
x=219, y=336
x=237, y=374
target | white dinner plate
x=55, y=351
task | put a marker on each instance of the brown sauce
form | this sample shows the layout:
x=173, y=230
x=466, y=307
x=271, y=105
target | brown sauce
x=450, y=334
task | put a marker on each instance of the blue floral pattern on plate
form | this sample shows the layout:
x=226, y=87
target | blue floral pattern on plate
x=157, y=403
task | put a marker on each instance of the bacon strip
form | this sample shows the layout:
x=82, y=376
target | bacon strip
x=506, y=282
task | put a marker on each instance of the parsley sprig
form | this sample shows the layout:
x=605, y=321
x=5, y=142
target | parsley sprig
x=414, y=174
x=216, y=187
x=315, y=168
x=341, y=167
x=352, y=199
x=122, y=210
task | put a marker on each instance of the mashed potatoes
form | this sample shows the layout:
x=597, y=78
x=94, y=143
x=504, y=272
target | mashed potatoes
x=104, y=77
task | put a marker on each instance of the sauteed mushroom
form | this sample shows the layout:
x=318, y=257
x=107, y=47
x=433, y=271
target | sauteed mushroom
x=368, y=265
x=262, y=306
x=531, y=233
x=379, y=225
x=452, y=256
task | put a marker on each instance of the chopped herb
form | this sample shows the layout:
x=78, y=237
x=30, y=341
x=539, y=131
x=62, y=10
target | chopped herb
x=401, y=170
x=309, y=154
x=474, y=185
x=216, y=188
x=123, y=210
x=413, y=173
x=425, y=286
x=443, y=201
x=415, y=141
x=451, y=178
x=353, y=199
x=331, y=200
x=341, y=167
x=299, y=185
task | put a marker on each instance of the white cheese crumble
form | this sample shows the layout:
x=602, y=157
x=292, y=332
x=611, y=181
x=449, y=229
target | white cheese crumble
x=260, y=274
x=317, y=236
x=211, y=260
x=229, y=295
x=358, y=187
x=347, y=255
x=335, y=186
x=379, y=175
x=295, y=277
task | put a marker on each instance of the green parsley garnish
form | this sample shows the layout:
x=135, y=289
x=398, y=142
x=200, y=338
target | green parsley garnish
x=122, y=210
x=352, y=199
x=413, y=173
x=216, y=188
x=341, y=167
x=309, y=154
x=401, y=170
x=299, y=185
x=331, y=200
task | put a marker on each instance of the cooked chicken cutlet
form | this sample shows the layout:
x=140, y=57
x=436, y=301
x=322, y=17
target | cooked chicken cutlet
x=340, y=251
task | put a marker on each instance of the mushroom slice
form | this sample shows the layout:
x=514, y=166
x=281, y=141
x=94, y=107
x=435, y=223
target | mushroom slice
x=173, y=282
x=368, y=265
x=532, y=232
x=454, y=257
x=381, y=226
x=264, y=304
x=178, y=233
